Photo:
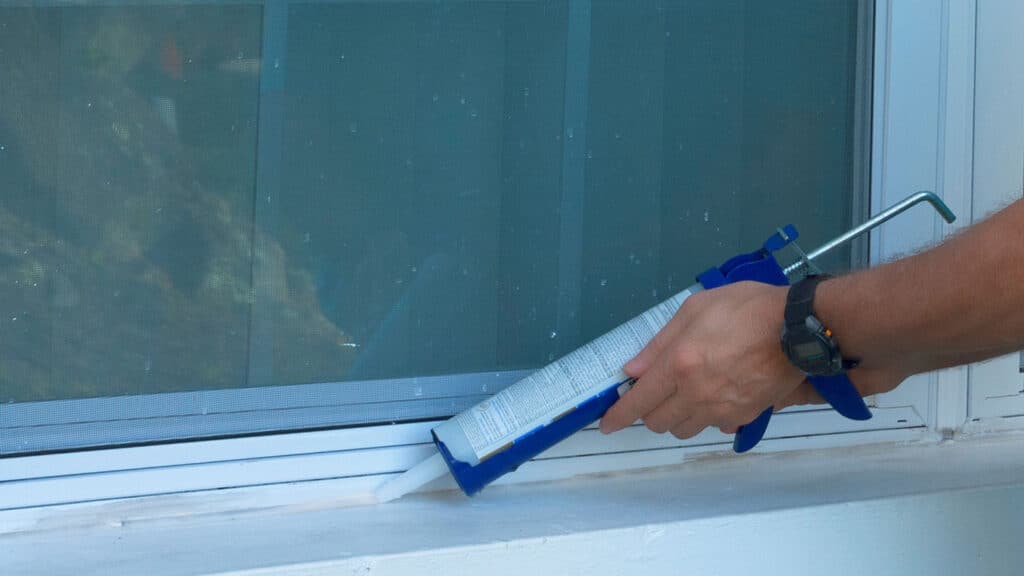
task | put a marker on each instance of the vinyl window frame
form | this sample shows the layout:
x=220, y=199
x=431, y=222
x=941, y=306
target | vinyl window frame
x=996, y=388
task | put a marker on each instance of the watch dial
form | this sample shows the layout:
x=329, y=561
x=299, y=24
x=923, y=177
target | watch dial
x=808, y=350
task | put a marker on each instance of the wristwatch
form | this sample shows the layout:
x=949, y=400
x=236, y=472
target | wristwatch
x=807, y=343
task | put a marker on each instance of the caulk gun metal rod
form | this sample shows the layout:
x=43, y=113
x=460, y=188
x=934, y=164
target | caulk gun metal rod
x=878, y=220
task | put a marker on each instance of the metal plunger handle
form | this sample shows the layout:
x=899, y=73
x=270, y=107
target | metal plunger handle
x=874, y=222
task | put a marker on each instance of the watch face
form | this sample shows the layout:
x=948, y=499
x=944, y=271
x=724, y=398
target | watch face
x=810, y=353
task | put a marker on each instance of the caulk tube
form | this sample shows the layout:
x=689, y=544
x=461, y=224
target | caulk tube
x=499, y=434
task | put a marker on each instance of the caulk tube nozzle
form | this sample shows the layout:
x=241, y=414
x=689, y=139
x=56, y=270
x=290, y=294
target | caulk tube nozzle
x=499, y=434
x=427, y=470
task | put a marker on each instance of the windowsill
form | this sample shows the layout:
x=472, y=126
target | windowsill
x=959, y=502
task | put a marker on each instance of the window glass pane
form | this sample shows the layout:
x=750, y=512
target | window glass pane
x=468, y=198
x=423, y=156
x=227, y=218
x=126, y=181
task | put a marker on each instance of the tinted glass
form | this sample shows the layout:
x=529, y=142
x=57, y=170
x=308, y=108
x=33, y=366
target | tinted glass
x=329, y=212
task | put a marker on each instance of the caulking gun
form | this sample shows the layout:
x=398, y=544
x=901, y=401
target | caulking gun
x=499, y=434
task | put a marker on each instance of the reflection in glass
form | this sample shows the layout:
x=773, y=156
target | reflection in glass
x=126, y=177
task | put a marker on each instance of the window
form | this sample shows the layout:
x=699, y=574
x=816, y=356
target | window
x=228, y=219
x=347, y=219
x=997, y=387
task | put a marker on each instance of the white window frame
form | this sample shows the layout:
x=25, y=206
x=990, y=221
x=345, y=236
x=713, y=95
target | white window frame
x=996, y=399
x=918, y=144
x=924, y=140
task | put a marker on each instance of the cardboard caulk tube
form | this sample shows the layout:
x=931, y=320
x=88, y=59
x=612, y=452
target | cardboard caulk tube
x=499, y=434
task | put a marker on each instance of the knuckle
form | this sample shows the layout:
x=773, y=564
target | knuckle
x=751, y=411
x=656, y=426
x=696, y=301
x=686, y=432
x=740, y=407
x=728, y=415
x=733, y=422
x=685, y=361
x=688, y=305
x=681, y=434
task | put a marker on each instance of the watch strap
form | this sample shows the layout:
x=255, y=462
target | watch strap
x=800, y=300
x=836, y=389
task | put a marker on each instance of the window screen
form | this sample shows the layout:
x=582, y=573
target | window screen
x=229, y=218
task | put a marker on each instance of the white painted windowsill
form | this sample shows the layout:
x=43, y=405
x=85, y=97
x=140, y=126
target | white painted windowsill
x=955, y=507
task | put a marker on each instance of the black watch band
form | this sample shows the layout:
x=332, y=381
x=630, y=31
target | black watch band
x=800, y=301
x=802, y=326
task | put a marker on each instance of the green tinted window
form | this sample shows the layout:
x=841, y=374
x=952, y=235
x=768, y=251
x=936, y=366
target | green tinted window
x=221, y=218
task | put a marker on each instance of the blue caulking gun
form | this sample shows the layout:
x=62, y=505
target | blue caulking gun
x=499, y=434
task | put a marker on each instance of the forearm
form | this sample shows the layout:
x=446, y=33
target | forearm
x=959, y=302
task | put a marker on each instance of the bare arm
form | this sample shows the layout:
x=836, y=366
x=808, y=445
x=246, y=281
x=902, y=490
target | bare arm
x=960, y=302
x=719, y=362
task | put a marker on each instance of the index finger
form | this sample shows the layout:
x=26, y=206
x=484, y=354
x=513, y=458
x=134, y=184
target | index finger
x=643, y=361
x=646, y=395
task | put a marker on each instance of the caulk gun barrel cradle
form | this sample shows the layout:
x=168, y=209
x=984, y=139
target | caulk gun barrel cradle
x=499, y=434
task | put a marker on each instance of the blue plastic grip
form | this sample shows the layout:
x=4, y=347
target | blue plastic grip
x=750, y=434
x=842, y=395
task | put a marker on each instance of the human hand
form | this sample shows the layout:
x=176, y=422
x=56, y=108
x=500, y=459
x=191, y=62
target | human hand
x=718, y=362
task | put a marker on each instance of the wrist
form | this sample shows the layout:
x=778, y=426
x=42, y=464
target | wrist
x=836, y=307
x=807, y=342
